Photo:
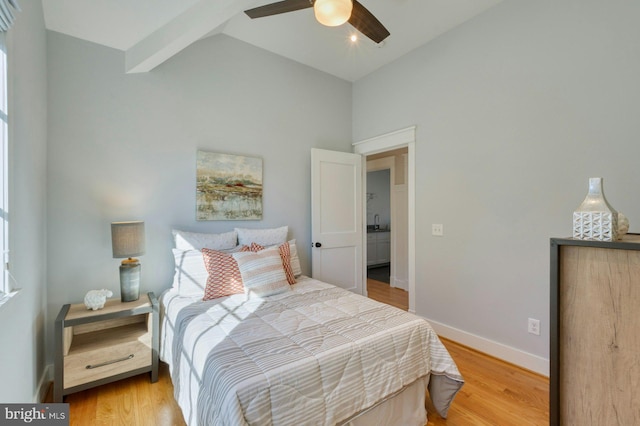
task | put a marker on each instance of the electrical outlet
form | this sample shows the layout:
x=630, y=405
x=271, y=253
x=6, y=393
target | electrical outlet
x=534, y=326
x=437, y=229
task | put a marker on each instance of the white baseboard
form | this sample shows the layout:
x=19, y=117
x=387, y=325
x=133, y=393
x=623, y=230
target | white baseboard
x=43, y=384
x=506, y=353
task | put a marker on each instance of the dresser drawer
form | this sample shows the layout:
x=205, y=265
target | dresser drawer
x=87, y=361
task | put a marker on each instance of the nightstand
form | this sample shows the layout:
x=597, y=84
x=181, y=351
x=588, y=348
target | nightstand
x=93, y=348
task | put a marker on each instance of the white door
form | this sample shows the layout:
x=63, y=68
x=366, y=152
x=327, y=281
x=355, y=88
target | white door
x=336, y=218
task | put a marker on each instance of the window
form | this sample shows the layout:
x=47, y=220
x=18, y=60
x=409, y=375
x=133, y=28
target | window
x=5, y=288
x=7, y=18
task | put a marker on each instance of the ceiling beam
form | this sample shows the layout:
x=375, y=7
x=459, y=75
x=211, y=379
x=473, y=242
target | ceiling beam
x=203, y=18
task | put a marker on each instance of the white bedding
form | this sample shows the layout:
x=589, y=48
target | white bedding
x=317, y=355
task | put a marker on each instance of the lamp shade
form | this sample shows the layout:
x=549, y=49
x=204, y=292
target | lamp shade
x=127, y=239
x=332, y=12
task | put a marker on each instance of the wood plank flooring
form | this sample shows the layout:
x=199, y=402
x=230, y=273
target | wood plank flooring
x=129, y=402
x=495, y=393
x=383, y=292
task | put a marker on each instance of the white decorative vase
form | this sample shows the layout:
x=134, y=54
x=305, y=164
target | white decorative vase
x=595, y=219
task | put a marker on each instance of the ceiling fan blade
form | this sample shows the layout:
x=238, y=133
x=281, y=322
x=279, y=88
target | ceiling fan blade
x=278, y=8
x=364, y=21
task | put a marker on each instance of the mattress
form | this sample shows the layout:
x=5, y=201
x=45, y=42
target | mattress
x=317, y=355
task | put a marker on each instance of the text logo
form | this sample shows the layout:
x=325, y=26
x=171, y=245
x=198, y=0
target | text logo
x=34, y=414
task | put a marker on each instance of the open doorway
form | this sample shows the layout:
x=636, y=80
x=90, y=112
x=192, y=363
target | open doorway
x=382, y=146
x=387, y=232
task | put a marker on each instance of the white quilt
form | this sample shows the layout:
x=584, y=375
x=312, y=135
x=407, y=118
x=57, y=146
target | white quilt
x=316, y=355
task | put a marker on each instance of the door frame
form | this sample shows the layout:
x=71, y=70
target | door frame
x=387, y=142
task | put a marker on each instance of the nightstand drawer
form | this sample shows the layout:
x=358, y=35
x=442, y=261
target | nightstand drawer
x=88, y=366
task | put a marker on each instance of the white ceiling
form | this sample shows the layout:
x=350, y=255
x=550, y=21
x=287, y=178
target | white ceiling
x=152, y=31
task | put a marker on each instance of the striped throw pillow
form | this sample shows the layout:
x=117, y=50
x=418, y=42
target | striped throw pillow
x=286, y=254
x=262, y=272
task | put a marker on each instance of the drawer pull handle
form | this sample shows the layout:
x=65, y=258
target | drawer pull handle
x=89, y=367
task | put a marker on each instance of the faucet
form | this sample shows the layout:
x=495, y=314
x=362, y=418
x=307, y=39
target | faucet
x=376, y=221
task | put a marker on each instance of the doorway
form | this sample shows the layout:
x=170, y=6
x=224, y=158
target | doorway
x=379, y=181
x=402, y=249
x=386, y=212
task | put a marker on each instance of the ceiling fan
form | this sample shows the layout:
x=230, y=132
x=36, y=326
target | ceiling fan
x=330, y=13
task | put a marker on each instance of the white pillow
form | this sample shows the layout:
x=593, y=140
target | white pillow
x=264, y=237
x=197, y=240
x=190, y=278
x=262, y=272
x=295, y=260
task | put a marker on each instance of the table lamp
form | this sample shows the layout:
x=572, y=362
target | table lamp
x=127, y=241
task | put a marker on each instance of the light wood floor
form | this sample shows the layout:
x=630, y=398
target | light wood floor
x=494, y=394
x=383, y=292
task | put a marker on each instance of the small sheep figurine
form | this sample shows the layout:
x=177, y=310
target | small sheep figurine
x=95, y=299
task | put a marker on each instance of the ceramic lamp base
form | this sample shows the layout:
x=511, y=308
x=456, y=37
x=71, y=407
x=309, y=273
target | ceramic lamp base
x=129, y=281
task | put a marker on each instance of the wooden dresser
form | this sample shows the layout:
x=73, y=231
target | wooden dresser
x=595, y=332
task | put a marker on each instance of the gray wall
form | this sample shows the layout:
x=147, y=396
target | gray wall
x=515, y=110
x=123, y=147
x=22, y=319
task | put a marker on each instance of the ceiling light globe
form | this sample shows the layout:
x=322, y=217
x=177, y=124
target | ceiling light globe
x=332, y=12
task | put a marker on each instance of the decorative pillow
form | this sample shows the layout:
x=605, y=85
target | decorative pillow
x=285, y=254
x=262, y=272
x=295, y=260
x=224, y=276
x=197, y=241
x=190, y=277
x=264, y=237
x=256, y=247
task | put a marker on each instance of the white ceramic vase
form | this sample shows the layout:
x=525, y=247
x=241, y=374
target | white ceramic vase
x=595, y=219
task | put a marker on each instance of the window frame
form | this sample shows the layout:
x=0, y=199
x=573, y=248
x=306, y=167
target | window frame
x=6, y=289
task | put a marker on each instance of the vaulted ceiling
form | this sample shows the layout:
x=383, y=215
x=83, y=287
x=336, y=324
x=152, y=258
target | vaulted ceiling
x=152, y=31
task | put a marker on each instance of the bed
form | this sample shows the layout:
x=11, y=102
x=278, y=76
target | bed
x=313, y=354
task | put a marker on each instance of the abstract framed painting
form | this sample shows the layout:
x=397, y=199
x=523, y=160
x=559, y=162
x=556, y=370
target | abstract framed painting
x=228, y=187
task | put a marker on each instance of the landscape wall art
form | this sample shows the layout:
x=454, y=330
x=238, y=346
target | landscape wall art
x=228, y=187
